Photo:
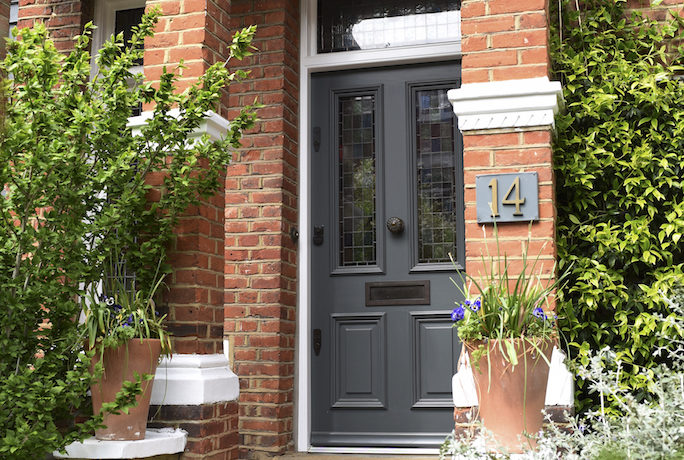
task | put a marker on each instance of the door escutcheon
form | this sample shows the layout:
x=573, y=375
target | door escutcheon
x=317, y=341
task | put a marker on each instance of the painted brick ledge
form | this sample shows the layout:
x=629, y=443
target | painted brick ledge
x=157, y=442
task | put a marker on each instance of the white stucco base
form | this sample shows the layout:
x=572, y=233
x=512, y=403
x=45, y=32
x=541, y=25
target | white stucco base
x=184, y=380
x=560, y=389
x=157, y=442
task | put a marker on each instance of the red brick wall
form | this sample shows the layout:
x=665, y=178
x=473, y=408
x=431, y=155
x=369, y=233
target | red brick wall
x=186, y=32
x=4, y=24
x=64, y=18
x=504, y=39
x=261, y=208
x=661, y=12
x=213, y=437
x=508, y=151
x=197, y=32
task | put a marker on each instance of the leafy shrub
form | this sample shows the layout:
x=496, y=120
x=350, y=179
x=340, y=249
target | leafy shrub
x=75, y=186
x=620, y=182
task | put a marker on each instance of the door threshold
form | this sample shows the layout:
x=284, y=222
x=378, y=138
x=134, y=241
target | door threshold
x=375, y=450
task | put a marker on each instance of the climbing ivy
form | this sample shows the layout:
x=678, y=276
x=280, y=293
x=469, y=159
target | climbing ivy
x=619, y=161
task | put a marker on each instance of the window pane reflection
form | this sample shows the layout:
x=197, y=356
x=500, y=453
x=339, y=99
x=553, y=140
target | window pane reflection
x=368, y=24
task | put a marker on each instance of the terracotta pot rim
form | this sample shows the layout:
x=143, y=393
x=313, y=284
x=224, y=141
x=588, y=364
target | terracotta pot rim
x=474, y=343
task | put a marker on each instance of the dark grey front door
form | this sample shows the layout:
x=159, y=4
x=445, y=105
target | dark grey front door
x=387, y=211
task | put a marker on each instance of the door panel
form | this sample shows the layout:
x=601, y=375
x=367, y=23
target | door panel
x=389, y=148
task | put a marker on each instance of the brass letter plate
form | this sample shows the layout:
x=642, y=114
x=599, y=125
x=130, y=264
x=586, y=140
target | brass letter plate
x=398, y=293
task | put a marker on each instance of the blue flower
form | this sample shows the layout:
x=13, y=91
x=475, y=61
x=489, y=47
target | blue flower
x=539, y=313
x=476, y=305
x=129, y=321
x=458, y=314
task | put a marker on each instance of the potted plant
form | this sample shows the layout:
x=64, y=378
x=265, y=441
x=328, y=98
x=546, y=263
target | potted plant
x=127, y=335
x=509, y=330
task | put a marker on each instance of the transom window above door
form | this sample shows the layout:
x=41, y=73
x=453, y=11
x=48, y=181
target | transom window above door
x=371, y=24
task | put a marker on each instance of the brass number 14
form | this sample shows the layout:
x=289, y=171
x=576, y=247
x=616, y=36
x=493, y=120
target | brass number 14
x=517, y=201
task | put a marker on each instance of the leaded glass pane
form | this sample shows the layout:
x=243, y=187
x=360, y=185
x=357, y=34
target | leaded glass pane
x=436, y=175
x=368, y=24
x=356, y=131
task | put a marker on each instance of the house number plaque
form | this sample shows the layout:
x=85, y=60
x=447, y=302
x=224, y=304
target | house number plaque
x=507, y=197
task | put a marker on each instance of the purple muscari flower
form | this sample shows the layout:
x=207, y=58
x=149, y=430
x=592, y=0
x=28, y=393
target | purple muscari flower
x=129, y=321
x=476, y=305
x=539, y=313
x=116, y=307
x=458, y=314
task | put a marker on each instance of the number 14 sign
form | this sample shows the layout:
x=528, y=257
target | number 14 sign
x=507, y=197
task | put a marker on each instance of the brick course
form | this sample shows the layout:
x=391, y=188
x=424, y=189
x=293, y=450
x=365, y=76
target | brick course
x=64, y=18
x=504, y=40
x=212, y=428
x=4, y=24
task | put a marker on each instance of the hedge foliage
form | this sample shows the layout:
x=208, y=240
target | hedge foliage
x=619, y=160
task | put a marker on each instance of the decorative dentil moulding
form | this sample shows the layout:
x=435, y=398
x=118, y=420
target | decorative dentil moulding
x=506, y=104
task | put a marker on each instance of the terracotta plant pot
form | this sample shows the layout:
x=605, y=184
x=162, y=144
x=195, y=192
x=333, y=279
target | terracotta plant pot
x=512, y=398
x=121, y=364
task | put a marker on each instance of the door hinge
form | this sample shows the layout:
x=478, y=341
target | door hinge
x=316, y=138
x=318, y=234
x=317, y=341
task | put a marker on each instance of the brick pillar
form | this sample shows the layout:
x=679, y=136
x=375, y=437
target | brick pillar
x=261, y=208
x=505, y=46
x=64, y=18
x=196, y=389
x=505, y=107
x=4, y=24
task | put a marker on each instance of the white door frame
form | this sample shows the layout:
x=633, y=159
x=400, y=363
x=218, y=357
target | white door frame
x=310, y=62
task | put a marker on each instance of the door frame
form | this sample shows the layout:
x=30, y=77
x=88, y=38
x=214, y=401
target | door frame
x=311, y=63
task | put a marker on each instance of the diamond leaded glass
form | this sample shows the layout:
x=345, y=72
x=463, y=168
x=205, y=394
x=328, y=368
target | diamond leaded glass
x=436, y=174
x=356, y=134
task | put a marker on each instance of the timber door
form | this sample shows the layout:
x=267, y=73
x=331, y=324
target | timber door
x=387, y=209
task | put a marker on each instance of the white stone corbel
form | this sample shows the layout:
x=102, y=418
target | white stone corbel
x=192, y=380
x=213, y=124
x=506, y=104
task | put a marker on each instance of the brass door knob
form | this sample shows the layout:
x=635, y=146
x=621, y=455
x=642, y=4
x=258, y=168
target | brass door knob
x=395, y=225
